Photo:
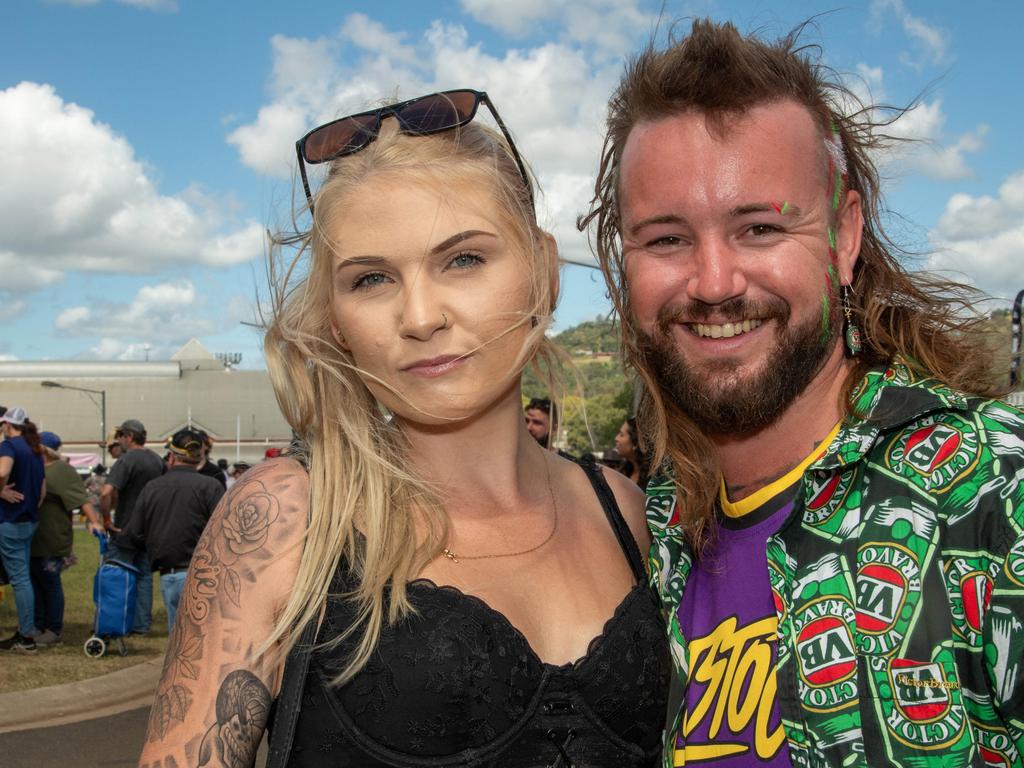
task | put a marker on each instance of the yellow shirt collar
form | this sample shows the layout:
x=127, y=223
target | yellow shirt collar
x=756, y=499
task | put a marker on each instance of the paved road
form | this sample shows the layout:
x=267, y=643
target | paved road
x=106, y=742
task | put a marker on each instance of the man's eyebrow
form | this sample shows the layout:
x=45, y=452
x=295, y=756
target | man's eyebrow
x=785, y=208
x=664, y=218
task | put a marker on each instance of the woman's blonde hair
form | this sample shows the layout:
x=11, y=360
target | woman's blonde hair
x=366, y=503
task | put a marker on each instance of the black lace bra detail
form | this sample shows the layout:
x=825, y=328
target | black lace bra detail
x=458, y=685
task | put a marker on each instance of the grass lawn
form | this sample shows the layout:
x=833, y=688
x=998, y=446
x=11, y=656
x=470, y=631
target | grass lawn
x=68, y=662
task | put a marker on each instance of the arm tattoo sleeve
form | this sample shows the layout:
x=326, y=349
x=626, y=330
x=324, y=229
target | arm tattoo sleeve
x=243, y=706
x=224, y=558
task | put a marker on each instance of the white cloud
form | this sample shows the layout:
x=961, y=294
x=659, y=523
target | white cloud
x=234, y=248
x=83, y=201
x=241, y=309
x=553, y=98
x=71, y=317
x=925, y=149
x=868, y=86
x=370, y=35
x=609, y=25
x=109, y=349
x=116, y=349
x=17, y=276
x=512, y=18
x=166, y=312
x=949, y=162
x=265, y=145
x=930, y=43
x=983, y=237
x=11, y=308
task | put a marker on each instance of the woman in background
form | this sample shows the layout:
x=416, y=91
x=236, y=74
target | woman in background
x=636, y=462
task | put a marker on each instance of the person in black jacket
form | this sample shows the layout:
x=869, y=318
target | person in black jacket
x=170, y=515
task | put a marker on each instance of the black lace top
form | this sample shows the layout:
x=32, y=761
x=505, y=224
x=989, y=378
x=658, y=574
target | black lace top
x=459, y=685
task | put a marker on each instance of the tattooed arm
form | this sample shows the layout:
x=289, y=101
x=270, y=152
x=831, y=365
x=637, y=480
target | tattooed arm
x=214, y=696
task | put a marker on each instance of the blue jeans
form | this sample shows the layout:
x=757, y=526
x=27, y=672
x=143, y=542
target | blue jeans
x=144, y=598
x=15, y=549
x=49, y=593
x=171, y=585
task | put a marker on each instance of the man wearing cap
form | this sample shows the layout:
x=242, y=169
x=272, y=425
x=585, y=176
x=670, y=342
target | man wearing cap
x=126, y=480
x=53, y=539
x=170, y=514
x=23, y=484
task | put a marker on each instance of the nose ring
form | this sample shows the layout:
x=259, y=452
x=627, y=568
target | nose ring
x=445, y=320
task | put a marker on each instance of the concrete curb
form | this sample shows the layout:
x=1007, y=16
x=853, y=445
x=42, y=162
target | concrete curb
x=118, y=691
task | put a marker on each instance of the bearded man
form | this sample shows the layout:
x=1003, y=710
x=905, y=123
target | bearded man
x=839, y=525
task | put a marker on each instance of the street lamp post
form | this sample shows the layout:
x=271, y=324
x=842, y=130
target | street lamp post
x=103, y=410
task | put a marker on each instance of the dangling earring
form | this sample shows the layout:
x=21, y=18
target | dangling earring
x=851, y=331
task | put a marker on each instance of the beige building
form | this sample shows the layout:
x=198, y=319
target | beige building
x=237, y=408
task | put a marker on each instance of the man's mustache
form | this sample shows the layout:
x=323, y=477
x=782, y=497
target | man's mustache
x=731, y=311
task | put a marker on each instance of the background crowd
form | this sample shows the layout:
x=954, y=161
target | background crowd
x=154, y=529
x=150, y=507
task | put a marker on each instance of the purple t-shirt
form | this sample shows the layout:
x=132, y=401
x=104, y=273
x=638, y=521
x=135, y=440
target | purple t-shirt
x=728, y=617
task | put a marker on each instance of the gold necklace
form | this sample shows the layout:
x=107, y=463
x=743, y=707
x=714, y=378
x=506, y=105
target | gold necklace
x=554, y=527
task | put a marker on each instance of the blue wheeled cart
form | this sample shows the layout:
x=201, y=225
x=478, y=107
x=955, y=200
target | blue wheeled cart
x=113, y=592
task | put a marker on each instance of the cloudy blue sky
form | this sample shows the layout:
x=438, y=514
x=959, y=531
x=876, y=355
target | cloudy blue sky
x=146, y=144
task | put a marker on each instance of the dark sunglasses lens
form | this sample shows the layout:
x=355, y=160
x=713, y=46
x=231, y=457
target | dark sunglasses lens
x=439, y=112
x=339, y=138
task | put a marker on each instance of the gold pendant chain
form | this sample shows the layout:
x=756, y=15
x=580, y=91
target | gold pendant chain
x=554, y=527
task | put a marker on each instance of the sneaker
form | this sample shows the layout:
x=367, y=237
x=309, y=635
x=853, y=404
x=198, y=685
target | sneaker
x=18, y=642
x=47, y=638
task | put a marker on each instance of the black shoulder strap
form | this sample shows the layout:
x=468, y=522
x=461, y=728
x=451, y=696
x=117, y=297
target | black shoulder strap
x=611, y=511
x=286, y=708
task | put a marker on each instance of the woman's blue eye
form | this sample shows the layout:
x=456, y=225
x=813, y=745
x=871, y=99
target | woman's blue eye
x=370, y=280
x=464, y=260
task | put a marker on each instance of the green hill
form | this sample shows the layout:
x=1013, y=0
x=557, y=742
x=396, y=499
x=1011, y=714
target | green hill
x=597, y=336
x=607, y=395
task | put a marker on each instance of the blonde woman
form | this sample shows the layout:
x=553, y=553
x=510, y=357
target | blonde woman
x=475, y=599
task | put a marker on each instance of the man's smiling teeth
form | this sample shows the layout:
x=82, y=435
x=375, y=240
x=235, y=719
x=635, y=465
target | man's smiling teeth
x=726, y=331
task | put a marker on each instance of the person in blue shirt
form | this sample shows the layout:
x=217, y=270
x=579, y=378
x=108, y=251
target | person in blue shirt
x=23, y=484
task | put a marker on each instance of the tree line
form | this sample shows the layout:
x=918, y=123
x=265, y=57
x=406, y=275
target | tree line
x=605, y=394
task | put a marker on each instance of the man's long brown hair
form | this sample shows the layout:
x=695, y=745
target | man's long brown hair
x=928, y=321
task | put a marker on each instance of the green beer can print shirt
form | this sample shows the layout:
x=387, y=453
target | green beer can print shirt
x=899, y=577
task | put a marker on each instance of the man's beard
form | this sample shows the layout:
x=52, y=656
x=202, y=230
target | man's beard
x=714, y=396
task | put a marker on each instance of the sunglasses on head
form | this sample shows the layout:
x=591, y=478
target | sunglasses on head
x=421, y=116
